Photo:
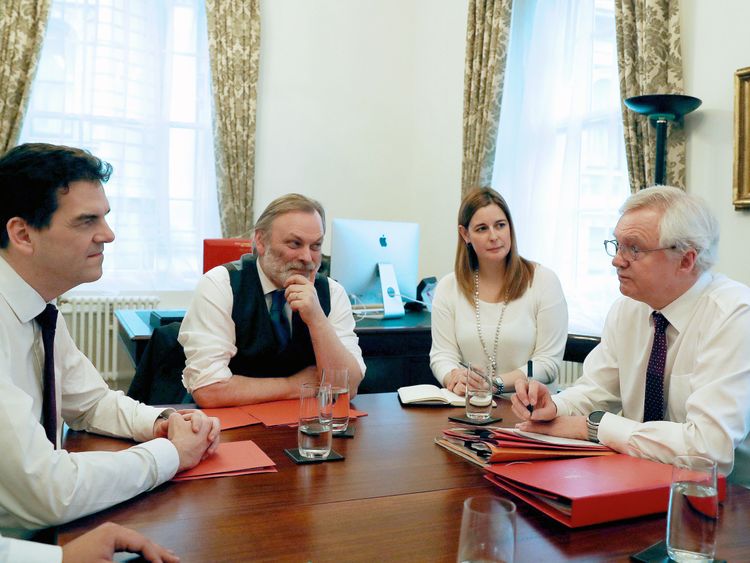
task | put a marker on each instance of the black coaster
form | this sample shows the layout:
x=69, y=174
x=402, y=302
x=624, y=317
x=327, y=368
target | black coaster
x=298, y=459
x=348, y=433
x=466, y=420
x=657, y=553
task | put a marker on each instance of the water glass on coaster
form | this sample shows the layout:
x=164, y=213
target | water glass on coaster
x=338, y=379
x=315, y=421
x=488, y=530
x=478, y=393
x=693, y=509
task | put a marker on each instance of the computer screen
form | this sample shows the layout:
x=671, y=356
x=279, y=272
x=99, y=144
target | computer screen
x=358, y=246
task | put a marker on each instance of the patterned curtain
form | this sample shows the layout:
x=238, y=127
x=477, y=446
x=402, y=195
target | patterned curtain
x=234, y=49
x=22, y=27
x=650, y=62
x=487, y=35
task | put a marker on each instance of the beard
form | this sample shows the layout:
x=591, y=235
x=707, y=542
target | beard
x=279, y=271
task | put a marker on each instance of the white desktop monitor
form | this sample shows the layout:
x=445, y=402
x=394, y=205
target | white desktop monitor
x=358, y=247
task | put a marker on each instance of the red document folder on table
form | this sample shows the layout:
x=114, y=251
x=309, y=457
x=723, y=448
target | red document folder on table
x=286, y=412
x=590, y=490
x=231, y=417
x=232, y=458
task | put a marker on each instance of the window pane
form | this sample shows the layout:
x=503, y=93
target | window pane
x=560, y=155
x=128, y=80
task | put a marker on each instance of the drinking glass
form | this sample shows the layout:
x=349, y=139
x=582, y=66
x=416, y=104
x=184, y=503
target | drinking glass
x=478, y=393
x=488, y=530
x=693, y=509
x=338, y=378
x=315, y=414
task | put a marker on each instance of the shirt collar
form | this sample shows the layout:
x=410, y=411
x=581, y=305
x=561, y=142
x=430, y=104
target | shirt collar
x=680, y=311
x=23, y=299
x=265, y=283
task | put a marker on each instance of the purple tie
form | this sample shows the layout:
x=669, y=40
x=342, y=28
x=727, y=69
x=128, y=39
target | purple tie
x=653, y=405
x=47, y=320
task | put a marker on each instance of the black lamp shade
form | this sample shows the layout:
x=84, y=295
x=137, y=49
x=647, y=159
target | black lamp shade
x=675, y=105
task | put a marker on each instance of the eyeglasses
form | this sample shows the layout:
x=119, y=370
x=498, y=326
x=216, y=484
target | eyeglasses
x=629, y=253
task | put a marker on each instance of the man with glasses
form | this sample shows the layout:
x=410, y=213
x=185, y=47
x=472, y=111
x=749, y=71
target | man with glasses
x=671, y=375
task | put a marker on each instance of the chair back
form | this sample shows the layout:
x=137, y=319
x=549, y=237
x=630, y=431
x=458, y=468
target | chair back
x=578, y=347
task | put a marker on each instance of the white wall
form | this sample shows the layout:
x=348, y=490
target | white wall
x=360, y=106
x=715, y=43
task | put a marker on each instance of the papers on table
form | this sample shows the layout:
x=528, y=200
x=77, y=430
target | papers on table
x=274, y=413
x=232, y=458
x=232, y=417
x=280, y=413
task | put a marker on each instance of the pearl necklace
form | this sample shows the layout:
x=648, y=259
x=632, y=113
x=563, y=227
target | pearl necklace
x=491, y=358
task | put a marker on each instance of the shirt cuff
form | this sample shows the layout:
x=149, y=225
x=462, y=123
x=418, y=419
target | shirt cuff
x=165, y=456
x=32, y=552
x=615, y=431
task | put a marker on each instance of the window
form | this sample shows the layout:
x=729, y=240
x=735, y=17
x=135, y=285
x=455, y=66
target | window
x=129, y=81
x=560, y=158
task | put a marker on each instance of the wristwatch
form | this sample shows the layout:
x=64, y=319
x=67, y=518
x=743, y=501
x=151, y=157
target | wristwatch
x=592, y=424
x=499, y=384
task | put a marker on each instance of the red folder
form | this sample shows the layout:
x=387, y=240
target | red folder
x=590, y=490
x=218, y=251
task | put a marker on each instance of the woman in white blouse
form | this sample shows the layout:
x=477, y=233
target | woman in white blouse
x=497, y=310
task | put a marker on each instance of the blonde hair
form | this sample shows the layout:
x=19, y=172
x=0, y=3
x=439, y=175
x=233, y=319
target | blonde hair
x=519, y=272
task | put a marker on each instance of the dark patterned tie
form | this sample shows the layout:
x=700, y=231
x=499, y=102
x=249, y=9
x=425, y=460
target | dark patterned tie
x=278, y=318
x=47, y=320
x=653, y=405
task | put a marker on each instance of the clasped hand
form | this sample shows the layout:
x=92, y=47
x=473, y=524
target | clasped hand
x=195, y=435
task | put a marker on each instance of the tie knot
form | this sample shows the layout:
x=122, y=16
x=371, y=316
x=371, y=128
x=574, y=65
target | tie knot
x=47, y=319
x=660, y=322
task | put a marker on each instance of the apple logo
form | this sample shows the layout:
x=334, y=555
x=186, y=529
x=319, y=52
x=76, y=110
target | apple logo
x=383, y=241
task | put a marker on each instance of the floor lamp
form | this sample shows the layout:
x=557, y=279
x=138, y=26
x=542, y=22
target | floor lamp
x=661, y=109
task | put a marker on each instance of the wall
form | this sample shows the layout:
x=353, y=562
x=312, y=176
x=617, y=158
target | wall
x=715, y=43
x=360, y=106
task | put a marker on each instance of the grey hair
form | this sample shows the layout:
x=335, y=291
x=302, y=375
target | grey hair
x=687, y=222
x=287, y=204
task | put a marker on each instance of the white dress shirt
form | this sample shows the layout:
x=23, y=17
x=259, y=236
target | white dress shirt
x=208, y=335
x=534, y=327
x=21, y=551
x=40, y=485
x=706, y=378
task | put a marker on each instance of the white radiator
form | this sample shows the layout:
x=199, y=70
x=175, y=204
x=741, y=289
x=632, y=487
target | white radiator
x=569, y=373
x=92, y=324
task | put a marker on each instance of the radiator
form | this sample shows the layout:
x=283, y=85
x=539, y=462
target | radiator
x=93, y=326
x=569, y=373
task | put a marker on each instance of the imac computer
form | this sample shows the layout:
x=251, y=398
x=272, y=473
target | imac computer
x=377, y=263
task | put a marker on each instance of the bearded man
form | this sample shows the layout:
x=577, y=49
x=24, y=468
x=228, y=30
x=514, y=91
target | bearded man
x=258, y=328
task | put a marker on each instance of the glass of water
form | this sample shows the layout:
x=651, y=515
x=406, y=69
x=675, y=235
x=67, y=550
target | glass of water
x=693, y=509
x=338, y=378
x=315, y=421
x=488, y=530
x=478, y=393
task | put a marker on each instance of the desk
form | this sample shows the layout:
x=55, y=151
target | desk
x=396, y=351
x=396, y=497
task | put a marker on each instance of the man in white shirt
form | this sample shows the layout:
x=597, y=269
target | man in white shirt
x=672, y=373
x=52, y=236
x=96, y=546
x=261, y=327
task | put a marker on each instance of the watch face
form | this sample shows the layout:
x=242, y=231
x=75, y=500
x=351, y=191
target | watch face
x=596, y=416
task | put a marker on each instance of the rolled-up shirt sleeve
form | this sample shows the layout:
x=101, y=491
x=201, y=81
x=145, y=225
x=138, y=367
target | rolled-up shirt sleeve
x=207, y=333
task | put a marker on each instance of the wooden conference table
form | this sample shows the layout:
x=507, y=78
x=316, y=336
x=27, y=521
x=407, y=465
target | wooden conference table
x=396, y=497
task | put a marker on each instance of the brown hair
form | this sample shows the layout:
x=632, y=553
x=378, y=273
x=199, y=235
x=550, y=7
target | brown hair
x=287, y=204
x=519, y=272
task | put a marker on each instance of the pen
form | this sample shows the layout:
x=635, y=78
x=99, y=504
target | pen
x=530, y=375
